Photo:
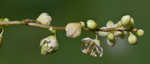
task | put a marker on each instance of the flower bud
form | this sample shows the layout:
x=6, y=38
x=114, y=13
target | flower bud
x=73, y=30
x=44, y=18
x=110, y=24
x=82, y=24
x=91, y=24
x=125, y=20
x=119, y=24
x=140, y=32
x=132, y=39
x=111, y=36
x=131, y=21
x=48, y=45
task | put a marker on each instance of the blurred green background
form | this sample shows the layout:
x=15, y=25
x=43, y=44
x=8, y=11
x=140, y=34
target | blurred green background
x=21, y=43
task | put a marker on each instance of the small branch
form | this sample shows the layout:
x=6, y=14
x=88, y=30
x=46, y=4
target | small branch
x=11, y=23
x=54, y=27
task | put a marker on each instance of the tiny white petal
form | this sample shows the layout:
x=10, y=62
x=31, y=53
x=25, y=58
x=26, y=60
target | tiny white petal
x=97, y=42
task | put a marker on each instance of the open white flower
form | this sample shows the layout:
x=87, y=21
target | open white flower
x=44, y=18
x=92, y=47
x=48, y=45
x=73, y=30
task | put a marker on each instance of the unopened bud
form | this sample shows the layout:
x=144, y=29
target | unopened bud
x=125, y=20
x=110, y=24
x=111, y=36
x=140, y=32
x=91, y=24
x=73, y=30
x=131, y=21
x=132, y=39
x=44, y=18
x=82, y=24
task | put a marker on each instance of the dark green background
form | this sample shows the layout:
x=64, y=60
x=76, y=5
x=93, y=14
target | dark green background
x=21, y=43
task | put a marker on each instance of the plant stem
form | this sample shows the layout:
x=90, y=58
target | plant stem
x=54, y=27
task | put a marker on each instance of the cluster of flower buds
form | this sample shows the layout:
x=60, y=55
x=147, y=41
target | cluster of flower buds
x=49, y=44
x=112, y=31
x=93, y=47
x=124, y=27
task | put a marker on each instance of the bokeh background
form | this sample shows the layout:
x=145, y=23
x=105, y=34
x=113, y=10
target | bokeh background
x=21, y=43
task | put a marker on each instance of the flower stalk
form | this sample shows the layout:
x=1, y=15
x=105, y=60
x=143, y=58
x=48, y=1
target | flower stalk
x=90, y=46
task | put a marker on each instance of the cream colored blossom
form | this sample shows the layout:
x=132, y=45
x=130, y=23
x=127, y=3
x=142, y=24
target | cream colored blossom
x=125, y=20
x=48, y=45
x=92, y=47
x=132, y=39
x=140, y=32
x=91, y=24
x=44, y=18
x=73, y=30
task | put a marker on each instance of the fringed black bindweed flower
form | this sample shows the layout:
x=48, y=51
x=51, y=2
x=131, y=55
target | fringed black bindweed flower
x=91, y=47
x=48, y=45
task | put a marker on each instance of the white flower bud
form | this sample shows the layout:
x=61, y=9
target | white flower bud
x=131, y=21
x=82, y=24
x=110, y=24
x=6, y=20
x=119, y=24
x=48, y=45
x=91, y=24
x=125, y=20
x=132, y=39
x=140, y=32
x=111, y=36
x=73, y=30
x=44, y=18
